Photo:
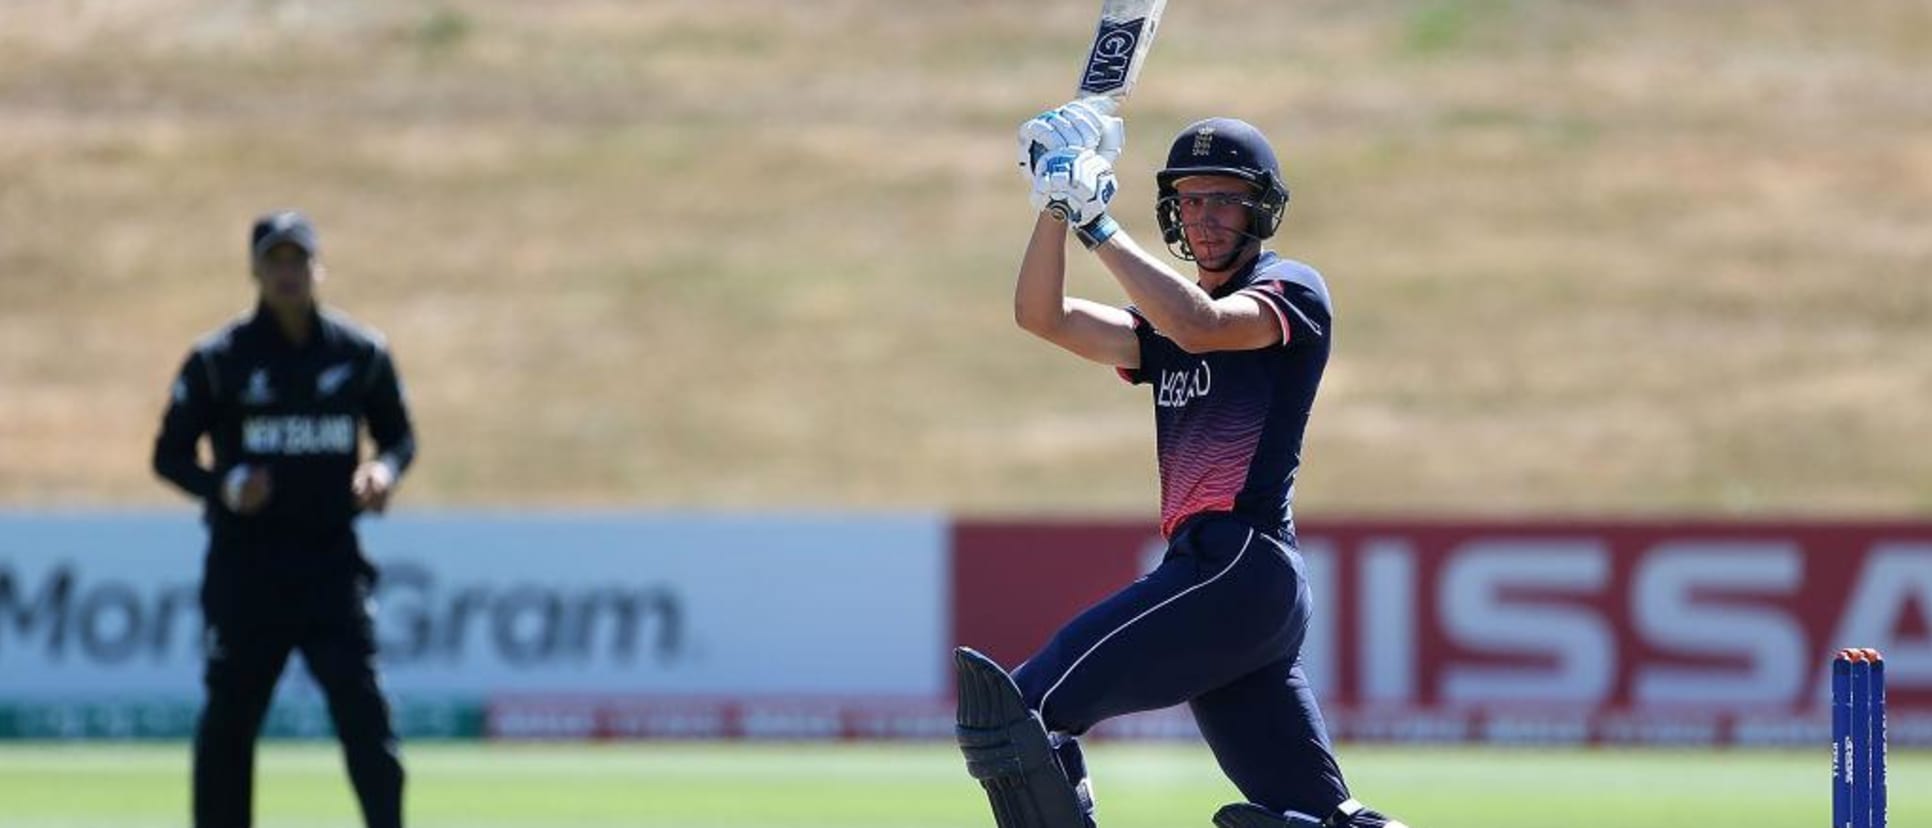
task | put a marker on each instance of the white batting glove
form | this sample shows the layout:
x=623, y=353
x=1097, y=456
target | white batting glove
x=1097, y=113
x=1087, y=123
x=1074, y=184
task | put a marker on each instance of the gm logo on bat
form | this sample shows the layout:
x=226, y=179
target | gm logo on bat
x=1113, y=54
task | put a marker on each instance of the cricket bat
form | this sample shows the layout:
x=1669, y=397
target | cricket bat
x=1120, y=45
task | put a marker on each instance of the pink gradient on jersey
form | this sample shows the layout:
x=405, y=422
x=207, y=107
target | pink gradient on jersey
x=1205, y=466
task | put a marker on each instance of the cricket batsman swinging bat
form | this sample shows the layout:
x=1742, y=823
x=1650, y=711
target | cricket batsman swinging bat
x=1119, y=50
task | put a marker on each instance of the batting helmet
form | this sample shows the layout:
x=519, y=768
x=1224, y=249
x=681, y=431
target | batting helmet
x=1221, y=146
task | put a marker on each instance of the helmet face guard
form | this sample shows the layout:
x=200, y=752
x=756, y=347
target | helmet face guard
x=1221, y=147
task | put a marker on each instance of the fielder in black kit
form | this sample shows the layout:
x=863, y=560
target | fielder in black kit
x=282, y=394
x=1234, y=356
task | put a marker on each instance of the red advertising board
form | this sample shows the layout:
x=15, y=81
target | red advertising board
x=1690, y=632
x=1015, y=583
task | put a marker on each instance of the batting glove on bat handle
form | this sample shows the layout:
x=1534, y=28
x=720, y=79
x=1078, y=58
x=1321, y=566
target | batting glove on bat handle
x=1086, y=124
x=1074, y=186
x=1095, y=117
x=1046, y=133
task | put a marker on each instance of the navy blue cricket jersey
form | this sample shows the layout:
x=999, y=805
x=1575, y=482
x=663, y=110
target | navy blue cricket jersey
x=1229, y=423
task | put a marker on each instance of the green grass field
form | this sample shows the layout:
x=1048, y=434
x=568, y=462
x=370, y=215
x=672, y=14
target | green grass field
x=666, y=785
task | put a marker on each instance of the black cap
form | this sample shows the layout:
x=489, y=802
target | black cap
x=282, y=227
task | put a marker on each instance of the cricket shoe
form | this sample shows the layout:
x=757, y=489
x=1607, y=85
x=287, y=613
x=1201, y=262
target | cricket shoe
x=1349, y=814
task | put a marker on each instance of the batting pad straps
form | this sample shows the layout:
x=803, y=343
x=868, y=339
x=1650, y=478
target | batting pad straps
x=1095, y=233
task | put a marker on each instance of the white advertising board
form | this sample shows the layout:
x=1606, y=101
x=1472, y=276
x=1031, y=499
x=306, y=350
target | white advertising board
x=481, y=605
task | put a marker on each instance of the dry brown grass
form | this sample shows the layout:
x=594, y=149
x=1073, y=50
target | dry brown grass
x=1591, y=257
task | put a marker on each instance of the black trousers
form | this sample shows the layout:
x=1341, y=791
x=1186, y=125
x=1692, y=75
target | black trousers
x=260, y=602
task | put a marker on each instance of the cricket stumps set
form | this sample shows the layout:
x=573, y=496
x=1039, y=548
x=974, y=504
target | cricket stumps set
x=1858, y=739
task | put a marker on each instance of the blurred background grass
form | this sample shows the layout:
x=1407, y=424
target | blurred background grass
x=1589, y=257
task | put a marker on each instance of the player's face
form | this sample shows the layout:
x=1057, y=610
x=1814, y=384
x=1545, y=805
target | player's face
x=287, y=275
x=1215, y=215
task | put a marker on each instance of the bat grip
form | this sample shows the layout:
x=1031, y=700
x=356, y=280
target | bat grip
x=1058, y=210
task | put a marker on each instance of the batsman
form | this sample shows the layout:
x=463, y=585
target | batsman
x=1234, y=354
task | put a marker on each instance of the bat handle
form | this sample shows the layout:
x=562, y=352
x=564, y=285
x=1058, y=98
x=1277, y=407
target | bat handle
x=1058, y=210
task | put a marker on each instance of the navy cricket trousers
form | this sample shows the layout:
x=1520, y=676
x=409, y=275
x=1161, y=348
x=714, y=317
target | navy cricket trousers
x=1219, y=625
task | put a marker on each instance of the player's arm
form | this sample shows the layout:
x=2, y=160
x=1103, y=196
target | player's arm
x=189, y=415
x=1181, y=310
x=1094, y=331
x=387, y=416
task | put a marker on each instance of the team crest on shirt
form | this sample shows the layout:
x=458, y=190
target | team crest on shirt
x=257, y=392
x=1178, y=388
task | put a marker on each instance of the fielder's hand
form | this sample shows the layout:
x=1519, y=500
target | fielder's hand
x=245, y=489
x=1087, y=123
x=1075, y=185
x=371, y=485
